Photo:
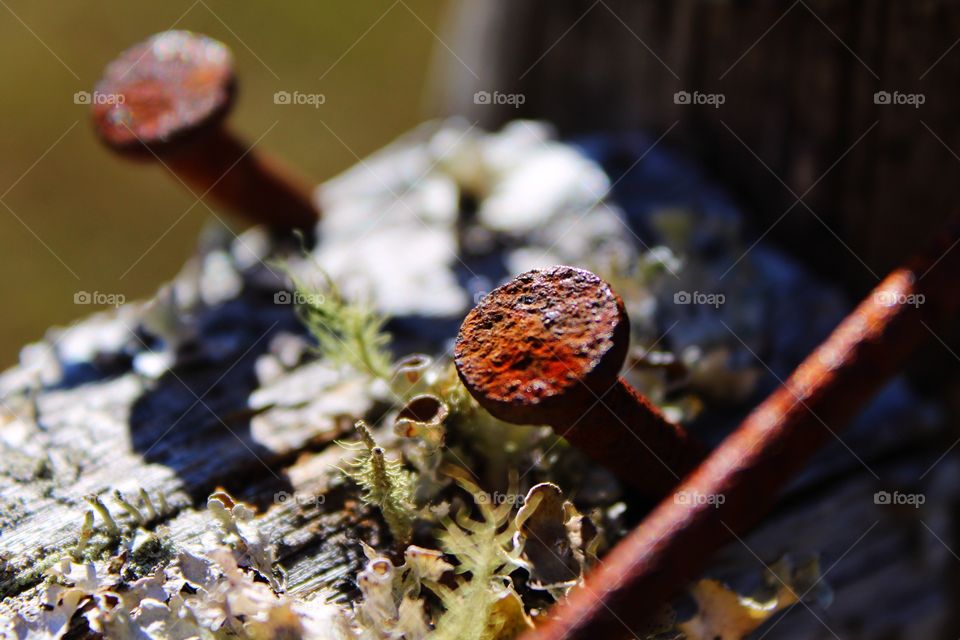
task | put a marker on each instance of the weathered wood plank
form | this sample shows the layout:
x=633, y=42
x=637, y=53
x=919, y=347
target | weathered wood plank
x=245, y=409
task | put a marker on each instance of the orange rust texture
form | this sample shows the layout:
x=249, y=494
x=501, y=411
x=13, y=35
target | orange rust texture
x=546, y=348
x=673, y=544
x=162, y=90
x=530, y=345
x=628, y=435
x=165, y=99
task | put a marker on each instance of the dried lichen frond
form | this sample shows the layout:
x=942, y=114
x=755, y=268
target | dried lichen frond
x=559, y=542
x=384, y=483
x=104, y=513
x=423, y=567
x=86, y=530
x=391, y=608
x=723, y=613
x=192, y=596
x=421, y=423
x=239, y=531
x=144, y=515
x=347, y=333
x=230, y=601
x=485, y=605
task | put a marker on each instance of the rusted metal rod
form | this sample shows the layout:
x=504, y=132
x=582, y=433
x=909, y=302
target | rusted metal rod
x=674, y=543
x=165, y=99
x=546, y=348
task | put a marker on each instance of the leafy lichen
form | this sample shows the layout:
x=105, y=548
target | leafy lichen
x=484, y=606
x=384, y=483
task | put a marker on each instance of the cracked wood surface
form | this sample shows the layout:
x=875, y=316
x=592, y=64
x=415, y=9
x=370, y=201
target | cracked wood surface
x=126, y=432
x=72, y=426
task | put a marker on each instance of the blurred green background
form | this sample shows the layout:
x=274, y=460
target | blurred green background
x=77, y=218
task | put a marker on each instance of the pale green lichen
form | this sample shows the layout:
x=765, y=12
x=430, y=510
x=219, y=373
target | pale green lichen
x=86, y=530
x=129, y=508
x=93, y=545
x=347, y=333
x=478, y=603
x=449, y=388
x=384, y=483
x=148, y=504
x=484, y=606
x=104, y=513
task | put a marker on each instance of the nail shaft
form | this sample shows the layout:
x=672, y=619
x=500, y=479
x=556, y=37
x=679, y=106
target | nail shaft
x=243, y=179
x=659, y=454
x=674, y=543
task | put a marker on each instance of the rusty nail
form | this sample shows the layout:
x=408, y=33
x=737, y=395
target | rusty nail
x=166, y=98
x=673, y=544
x=546, y=348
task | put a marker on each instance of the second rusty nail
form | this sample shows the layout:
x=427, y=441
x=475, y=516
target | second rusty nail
x=546, y=348
x=166, y=98
x=675, y=541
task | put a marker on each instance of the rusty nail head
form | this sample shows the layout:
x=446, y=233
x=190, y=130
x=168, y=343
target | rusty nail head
x=163, y=91
x=167, y=98
x=534, y=349
x=675, y=541
x=547, y=348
